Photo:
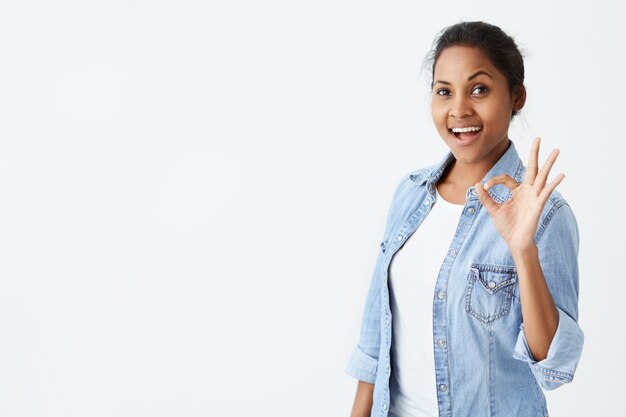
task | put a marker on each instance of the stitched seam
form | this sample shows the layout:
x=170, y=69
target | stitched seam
x=553, y=374
x=546, y=221
x=469, y=290
x=501, y=269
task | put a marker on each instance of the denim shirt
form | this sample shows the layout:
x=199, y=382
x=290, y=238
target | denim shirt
x=483, y=364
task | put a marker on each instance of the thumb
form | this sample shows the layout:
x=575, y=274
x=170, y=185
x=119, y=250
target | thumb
x=485, y=198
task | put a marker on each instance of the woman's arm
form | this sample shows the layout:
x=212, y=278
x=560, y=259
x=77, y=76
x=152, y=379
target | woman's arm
x=539, y=313
x=543, y=239
x=363, y=400
x=558, y=256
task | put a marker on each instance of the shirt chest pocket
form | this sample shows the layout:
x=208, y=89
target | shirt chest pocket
x=489, y=291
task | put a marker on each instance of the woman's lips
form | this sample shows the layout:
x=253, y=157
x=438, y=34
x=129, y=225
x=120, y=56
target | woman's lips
x=465, y=138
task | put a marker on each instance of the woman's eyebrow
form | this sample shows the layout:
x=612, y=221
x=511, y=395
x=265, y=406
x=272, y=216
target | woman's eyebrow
x=476, y=74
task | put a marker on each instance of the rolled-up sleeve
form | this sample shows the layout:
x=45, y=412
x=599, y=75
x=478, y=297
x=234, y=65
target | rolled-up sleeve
x=557, y=243
x=362, y=366
x=563, y=355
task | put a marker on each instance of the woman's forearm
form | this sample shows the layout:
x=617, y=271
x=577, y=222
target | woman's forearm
x=539, y=313
x=363, y=400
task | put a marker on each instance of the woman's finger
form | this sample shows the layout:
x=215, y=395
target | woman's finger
x=505, y=179
x=542, y=176
x=531, y=169
x=545, y=193
x=485, y=199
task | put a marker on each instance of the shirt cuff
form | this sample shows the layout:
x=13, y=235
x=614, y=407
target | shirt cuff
x=563, y=355
x=362, y=366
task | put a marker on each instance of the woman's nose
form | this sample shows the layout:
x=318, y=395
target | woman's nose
x=460, y=107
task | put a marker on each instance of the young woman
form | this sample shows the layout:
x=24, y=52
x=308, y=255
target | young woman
x=473, y=305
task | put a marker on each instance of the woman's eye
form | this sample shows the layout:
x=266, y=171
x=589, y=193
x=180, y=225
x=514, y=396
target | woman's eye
x=443, y=92
x=481, y=87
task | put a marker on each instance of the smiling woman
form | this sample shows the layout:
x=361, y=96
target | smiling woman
x=479, y=321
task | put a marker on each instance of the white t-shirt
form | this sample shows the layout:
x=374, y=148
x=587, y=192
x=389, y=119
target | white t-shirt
x=412, y=276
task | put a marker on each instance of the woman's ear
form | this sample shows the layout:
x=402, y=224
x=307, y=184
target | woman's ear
x=520, y=98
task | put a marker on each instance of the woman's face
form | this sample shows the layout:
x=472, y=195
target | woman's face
x=469, y=92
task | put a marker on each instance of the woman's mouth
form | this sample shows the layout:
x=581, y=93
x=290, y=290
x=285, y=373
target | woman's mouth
x=466, y=135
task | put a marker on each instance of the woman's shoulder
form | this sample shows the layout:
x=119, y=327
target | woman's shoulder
x=412, y=180
x=410, y=186
x=409, y=192
x=558, y=217
x=420, y=175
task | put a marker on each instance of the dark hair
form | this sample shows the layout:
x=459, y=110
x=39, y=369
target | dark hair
x=499, y=48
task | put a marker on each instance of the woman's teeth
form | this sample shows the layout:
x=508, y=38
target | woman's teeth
x=466, y=133
x=466, y=129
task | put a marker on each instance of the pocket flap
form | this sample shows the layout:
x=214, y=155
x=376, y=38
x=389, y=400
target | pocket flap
x=494, y=277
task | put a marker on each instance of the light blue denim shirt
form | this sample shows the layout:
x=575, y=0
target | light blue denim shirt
x=483, y=364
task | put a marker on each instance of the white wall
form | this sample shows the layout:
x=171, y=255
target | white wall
x=192, y=194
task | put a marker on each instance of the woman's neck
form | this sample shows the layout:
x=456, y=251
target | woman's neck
x=461, y=176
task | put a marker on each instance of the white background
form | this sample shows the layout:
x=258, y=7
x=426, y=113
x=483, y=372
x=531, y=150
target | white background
x=192, y=194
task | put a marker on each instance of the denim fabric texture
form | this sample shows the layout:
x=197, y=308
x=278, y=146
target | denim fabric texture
x=483, y=364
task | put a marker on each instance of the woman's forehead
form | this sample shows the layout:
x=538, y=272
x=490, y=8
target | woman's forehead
x=463, y=61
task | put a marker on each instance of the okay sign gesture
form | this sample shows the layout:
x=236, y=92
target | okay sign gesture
x=517, y=218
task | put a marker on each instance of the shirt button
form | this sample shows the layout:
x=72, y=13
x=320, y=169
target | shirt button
x=452, y=252
x=440, y=295
x=441, y=342
x=399, y=238
x=470, y=210
x=427, y=202
x=387, y=366
x=442, y=387
x=387, y=322
x=385, y=406
x=491, y=284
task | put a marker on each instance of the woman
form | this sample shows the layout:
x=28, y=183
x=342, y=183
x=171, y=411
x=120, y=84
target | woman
x=473, y=303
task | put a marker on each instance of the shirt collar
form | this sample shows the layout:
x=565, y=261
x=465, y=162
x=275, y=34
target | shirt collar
x=509, y=163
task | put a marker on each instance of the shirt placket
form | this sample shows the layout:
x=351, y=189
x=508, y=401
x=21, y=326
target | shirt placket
x=440, y=317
